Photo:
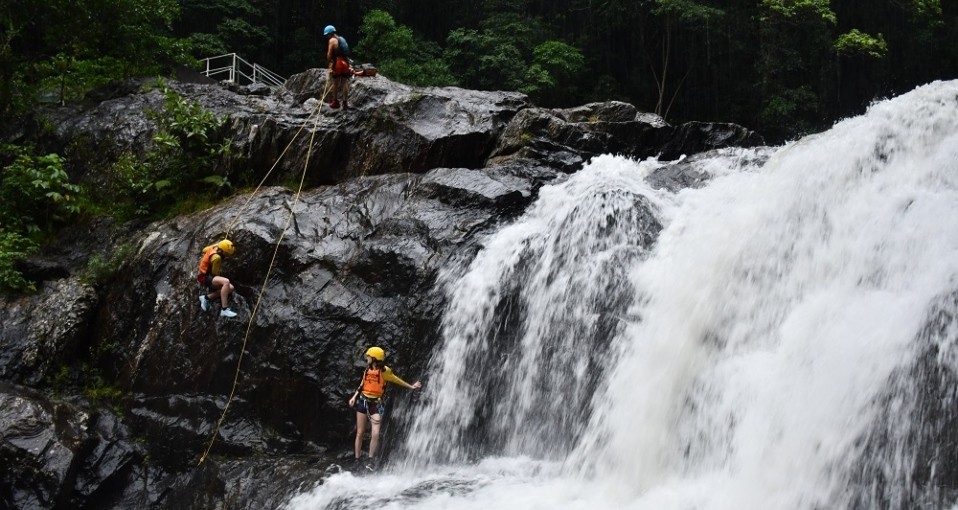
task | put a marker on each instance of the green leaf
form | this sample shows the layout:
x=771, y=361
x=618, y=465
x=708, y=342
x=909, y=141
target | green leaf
x=855, y=42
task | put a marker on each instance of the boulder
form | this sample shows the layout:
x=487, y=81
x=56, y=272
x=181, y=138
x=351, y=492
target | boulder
x=42, y=335
x=67, y=455
x=566, y=139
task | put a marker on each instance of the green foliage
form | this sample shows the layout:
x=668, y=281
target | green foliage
x=190, y=144
x=36, y=192
x=789, y=113
x=90, y=378
x=555, y=67
x=60, y=379
x=14, y=248
x=484, y=62
x=226, y=26
x=796, y=43
x=98, y=389
x=188, y=163
x=186, y=126
x=927, y=7
x=95, y=385
x=240, y=36
x=68, y=79
x=100, y=269
x=399, y=54
x=695, y=59
x=687, y=11
x=512, y=52
x=36, y=197
x=799, y=10
x=208, y=45
x=854, y=43
x=58, y=50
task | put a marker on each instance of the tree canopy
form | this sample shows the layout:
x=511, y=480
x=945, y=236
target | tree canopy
x=784, y=67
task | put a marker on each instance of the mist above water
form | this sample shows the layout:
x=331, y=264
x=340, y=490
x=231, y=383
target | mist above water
x=725, y=347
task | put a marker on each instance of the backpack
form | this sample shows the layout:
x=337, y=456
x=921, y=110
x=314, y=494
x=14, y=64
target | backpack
x=343, y=46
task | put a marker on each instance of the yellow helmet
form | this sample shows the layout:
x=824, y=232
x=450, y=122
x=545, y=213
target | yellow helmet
x=226, y=246
x=376, y=353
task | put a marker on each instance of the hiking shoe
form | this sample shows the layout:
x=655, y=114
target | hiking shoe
x=204, y=303
x=333, y=104
x=369, y=467
x=226, y=312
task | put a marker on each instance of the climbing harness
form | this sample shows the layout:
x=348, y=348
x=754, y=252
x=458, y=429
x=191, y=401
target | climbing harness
x=377, y=403
x=315, y=116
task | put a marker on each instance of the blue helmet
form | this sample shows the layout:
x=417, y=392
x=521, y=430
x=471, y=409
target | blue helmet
x=329, y=29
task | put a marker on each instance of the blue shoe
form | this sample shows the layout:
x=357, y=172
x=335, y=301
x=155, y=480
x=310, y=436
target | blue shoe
x=204, y=303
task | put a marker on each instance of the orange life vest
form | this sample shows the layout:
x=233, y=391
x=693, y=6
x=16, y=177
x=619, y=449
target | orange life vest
x=206, y=264
x=374, y=384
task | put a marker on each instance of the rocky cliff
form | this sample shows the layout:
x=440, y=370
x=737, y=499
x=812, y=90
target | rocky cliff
x=111, y=386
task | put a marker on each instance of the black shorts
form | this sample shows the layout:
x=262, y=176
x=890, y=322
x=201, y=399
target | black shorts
x=370, y=406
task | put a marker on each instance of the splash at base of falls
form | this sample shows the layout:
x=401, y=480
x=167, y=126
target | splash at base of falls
x=781, y=337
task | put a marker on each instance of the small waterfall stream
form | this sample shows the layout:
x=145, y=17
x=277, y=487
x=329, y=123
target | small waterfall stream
x=783, y=337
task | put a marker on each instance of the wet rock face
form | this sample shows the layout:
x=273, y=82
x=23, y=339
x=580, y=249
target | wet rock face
x=40, y=336
x=356, y=268
x=417, y=178
x=566, y=139
x=391, y=128
x=73, y=455
x=909, y=457
x=59, y=454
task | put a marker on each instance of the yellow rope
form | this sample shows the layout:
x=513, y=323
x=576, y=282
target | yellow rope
x=259, y=298
x=279, y=158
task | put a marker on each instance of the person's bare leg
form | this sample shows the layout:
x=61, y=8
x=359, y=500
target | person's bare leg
x=335, y=90
x=225, y=289
x=360, y=430
x=215, y=289
x=375, y=420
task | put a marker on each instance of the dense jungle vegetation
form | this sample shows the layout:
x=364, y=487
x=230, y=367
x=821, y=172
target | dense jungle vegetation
x=781, y=67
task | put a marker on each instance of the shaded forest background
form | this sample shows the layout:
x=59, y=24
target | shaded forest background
x=782, y=67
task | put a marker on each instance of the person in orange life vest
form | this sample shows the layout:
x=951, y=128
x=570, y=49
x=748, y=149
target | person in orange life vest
x=368, y=399
x=213, y=282
x=339, y=69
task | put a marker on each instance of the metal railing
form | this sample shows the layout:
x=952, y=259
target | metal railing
x=234, y=69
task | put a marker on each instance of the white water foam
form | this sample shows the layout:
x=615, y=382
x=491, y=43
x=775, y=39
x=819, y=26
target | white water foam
x=744, y=368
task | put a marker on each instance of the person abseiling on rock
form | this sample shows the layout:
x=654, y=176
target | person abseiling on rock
x=337, y=51
x=368, y=399
x=214, y=284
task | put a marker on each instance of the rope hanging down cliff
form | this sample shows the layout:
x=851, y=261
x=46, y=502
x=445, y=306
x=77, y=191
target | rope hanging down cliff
x=272, y=261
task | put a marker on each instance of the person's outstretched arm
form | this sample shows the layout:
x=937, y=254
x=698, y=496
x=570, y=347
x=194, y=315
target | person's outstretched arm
x=393, y=378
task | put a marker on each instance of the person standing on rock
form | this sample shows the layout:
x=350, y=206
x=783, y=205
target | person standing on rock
x=368, y=400
x=213, y=282
x=337, y=51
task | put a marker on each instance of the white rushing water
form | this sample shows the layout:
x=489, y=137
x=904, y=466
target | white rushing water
x=735, y=359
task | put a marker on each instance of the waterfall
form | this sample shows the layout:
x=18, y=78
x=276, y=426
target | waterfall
x=529, y=320
x=783, y=336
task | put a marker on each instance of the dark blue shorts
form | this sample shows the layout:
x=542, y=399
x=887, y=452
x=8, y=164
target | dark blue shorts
x=370, y=406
